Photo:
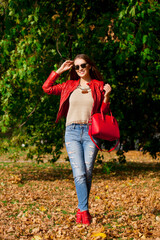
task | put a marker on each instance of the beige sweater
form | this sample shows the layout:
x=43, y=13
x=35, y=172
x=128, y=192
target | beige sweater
x=80, y=107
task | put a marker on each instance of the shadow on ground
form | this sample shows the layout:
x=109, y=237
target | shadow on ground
x=104, y=171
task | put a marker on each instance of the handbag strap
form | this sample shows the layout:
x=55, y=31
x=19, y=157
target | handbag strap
x=110, y=112
x=101, y=149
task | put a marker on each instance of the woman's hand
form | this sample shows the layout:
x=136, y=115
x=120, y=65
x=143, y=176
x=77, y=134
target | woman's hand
x=107, y=88
x=65, y=66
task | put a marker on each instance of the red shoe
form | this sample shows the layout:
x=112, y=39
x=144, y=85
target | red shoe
x=86, y=217
x=78, y=217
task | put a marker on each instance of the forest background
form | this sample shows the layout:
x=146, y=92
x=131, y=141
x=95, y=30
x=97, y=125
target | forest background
x=37, y=36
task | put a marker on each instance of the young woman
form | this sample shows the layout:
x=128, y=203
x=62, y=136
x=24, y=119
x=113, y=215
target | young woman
x=81, y=96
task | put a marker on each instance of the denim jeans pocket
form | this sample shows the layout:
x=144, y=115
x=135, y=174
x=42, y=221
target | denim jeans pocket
x=70, y=127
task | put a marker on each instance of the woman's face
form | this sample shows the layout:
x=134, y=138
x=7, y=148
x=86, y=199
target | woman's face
x=82, y=68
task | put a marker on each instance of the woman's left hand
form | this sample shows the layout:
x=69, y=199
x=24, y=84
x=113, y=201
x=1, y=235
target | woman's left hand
x=107, y=88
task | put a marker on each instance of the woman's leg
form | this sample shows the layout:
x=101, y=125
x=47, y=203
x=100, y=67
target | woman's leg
x=90, y=153
x=74, y=146
x=82, y=153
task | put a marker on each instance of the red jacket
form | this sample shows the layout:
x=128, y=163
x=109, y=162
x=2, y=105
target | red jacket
x=66, y=88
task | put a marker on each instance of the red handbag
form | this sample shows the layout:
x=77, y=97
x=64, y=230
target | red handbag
x=104, y=127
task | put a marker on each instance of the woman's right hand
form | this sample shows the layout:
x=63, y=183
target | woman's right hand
x=65, y=66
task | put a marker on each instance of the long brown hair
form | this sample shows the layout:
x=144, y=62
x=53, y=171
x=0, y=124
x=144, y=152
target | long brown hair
x=94, y=73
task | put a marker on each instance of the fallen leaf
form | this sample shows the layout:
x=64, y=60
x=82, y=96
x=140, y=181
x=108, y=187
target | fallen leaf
x=36, y=237
x=103, y=235
x=58, y=209
x=42, y=209
x=97, y=197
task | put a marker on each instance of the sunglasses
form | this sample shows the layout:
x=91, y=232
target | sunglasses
x=83, y=65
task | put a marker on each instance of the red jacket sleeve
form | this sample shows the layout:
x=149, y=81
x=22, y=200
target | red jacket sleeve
x=105, y=107
x=49, y=87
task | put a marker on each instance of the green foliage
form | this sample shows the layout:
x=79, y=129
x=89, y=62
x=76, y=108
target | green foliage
x=137, y=63
x=99, y=158
x=122, y=39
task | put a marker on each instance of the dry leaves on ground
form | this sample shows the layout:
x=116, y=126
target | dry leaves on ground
x=39, y=201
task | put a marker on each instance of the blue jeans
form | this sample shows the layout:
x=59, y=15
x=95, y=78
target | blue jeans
x=82, y=153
